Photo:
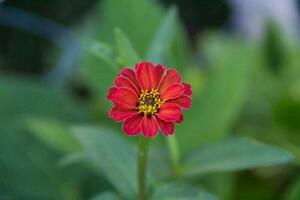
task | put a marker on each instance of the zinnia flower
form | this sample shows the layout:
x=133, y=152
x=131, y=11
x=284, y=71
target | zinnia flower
x=149, y=98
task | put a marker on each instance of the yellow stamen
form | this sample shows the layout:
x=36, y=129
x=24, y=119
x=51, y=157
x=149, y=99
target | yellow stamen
x=149, y=102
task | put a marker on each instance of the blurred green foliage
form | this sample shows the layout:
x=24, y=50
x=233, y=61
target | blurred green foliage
x=56, y=143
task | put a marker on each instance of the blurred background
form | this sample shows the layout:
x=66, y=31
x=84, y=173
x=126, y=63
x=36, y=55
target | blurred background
x=58, y=58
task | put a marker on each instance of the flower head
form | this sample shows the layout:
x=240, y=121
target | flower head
x=149, y=98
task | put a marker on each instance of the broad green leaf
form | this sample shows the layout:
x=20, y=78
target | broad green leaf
x=98, y=67
x=179, y=56
x=175, y=191
x=24, y=97
x=140, y=31
x=54, y=133
x=28, y=169
x=106, y=196
x=137, y=19
x=100, y=26
x=222, y=185
x=72, y=158
x=218, y=105
x=104, y=51
x=294, y=191
x=127, y=54
x=160, y=46
x=98, y=61
x=161, y=42
x=114, y=158
x=233, y=154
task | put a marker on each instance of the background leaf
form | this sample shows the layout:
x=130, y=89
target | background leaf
x=106, y=196
x=178, y=191
x=54, y=133
x=28, y=170
x=294, y=191
x=124, y=14
x=103, y=51
x=218, y=105
x=161, y=42
x=127, y=54
x=114, y=158
x=24, y=97
x=233, y=154
x=98, y=65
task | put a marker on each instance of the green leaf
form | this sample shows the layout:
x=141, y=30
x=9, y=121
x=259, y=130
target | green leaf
x=179, y=56
x=127, y=54
x=103, y=51
x=233, y=154
x=28, y=169
x=222, y=185
x=54, y=133
x=126, y=15
x=73, y=158
x=294, y=191
x=100, y=26
x=180, y=192
x=223, y=95
x=29, y=97
x=106, y=196
x=98, y=66
x=161, y=43
x=114, y=158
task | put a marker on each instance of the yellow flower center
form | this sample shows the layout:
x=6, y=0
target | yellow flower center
x=149, y=102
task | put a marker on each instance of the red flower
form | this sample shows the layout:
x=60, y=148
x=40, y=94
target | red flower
x=149, y=98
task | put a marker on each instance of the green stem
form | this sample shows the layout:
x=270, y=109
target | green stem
x=174, y=153
x=142, y=167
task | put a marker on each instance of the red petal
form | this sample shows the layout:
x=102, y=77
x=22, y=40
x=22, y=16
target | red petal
x=132, y=125
x=172, y=92
x=119, y=114
x=149, y=126
x=183, y=101
x=169, y=79
x=160, y=72
x=110, y=92
x=180, y=120
x=130, y=74
x=167, y=128
x=122, y=81
x=125, y=98
x=146, y=75
x=187, y=89
x=169, y=112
